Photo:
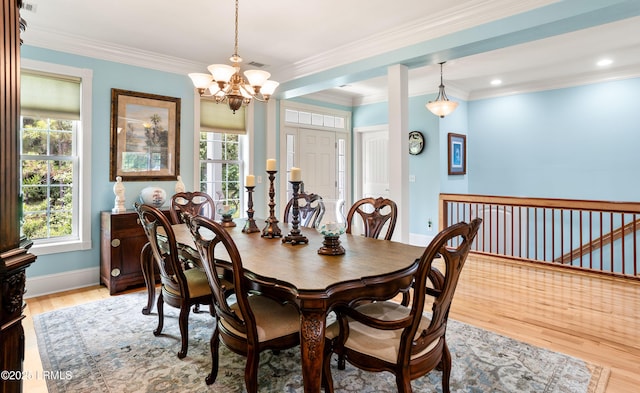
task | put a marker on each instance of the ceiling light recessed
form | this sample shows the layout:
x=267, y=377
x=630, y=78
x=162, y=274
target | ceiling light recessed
x=604, y=62
x=496, y=82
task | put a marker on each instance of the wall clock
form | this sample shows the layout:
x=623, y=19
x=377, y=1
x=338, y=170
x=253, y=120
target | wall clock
x=416, y=142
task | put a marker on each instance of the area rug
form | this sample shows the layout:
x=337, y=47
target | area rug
x=108, y=346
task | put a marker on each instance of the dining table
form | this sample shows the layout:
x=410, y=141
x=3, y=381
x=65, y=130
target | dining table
x=315, y=283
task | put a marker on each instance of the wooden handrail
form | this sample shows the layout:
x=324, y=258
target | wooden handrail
x=577, y=204
x=600, y=236
x=600, y=242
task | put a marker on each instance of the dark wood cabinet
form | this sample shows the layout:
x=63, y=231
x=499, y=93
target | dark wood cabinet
x=14, y=251
x=122, y=241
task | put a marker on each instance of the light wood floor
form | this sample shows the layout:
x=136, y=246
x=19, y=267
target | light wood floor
x=594, y=318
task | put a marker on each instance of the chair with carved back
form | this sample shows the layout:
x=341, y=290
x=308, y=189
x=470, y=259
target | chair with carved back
x=407, y=341
x=194, y=203
x=310, y=208
x=247, y=323
x=374, y=214
x=180, y=287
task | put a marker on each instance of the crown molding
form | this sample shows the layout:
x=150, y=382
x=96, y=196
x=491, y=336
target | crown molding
x=68, y=43
x=556, y=83
x=458, y=18
x=455, y=19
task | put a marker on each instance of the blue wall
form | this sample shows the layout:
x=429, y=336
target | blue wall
x=107, y=75
x=575, y=143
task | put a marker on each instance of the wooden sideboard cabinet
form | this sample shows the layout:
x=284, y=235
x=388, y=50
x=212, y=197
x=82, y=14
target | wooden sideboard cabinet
x=122, y=241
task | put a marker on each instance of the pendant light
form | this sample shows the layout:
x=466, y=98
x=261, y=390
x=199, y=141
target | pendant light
x=442, y=106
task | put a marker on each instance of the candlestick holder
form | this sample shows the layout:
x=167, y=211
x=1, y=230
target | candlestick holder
x=295, y=237
x=271, y=230
x=250, y=225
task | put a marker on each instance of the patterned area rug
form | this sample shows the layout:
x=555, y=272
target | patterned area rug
x=108, y=346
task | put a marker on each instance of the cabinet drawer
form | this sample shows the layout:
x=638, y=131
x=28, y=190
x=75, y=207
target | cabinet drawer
x=125, y=221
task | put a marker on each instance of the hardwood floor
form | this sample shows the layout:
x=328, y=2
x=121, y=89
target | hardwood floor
x=592, y=317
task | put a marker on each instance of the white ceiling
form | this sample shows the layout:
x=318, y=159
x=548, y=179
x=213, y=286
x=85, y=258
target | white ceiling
x=297, y=38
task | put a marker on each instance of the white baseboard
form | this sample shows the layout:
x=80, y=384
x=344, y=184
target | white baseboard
x=59, y=282
x=416, y=239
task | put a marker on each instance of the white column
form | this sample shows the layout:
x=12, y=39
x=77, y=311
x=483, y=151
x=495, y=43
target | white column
x=397, y=76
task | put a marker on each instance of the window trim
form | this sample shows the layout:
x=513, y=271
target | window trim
x=239, y=162
x=247, y=148
x=83, y=239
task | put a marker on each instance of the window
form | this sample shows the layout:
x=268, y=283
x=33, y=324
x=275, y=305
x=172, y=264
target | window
x=295, y=116
x=221, y=165
x=49, y=170
x=54, y=139
x=220, y=168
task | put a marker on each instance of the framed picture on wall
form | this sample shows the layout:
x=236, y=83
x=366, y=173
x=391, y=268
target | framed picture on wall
x=145, y=136
x=457, y=154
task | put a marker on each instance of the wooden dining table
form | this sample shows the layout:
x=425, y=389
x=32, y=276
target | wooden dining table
x=315, y=283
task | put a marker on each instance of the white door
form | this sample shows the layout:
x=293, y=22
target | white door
x=317, y=160
x=375, y=164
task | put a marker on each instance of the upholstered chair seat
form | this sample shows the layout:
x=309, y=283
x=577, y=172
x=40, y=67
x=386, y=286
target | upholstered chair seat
x=381, y=344
x=196, y=282
x=273, y=319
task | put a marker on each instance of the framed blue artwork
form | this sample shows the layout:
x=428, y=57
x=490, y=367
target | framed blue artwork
x=457, y=154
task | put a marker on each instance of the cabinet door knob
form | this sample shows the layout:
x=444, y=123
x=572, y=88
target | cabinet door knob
x=115, y=243
x=115, y=272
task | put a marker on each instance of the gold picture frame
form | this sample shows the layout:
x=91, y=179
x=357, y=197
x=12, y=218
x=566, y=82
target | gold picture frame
x=145, y=136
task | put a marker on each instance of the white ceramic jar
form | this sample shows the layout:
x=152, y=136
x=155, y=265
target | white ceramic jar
x=154, y=196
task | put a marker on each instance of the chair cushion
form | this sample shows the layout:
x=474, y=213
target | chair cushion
x=382, y=344
x=196, y=281
x=273, y=319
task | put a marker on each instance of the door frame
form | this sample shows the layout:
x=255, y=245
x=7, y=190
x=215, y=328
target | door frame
x=345, y=133
x=357, y=156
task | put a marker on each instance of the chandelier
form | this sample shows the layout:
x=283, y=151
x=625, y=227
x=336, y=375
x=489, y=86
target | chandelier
x=225, y=83
x=441, y=106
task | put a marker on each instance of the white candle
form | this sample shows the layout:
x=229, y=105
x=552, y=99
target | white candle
x=250, y=181
x=271, y=164
x=295, y=174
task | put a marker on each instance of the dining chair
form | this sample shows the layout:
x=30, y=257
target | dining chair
x=374, y=214
x=196, y=202
x=407, y=341
x=310, y=208
x=180, y=287
x=247, y=323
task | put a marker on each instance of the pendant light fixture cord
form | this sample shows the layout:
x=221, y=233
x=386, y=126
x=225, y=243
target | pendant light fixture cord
x=235, y=49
